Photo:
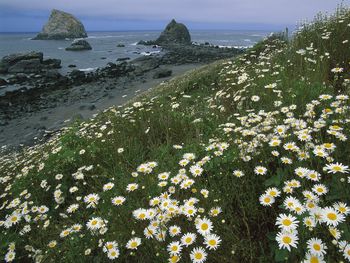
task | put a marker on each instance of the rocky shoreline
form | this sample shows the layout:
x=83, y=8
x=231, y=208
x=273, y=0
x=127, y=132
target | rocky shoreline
x=40, y=92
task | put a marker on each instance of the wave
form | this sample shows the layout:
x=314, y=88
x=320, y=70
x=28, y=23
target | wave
x=88, y=69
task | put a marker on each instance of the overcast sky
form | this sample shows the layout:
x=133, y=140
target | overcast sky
x=30, y=15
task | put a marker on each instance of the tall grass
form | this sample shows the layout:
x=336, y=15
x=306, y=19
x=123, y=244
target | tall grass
x=225, y=115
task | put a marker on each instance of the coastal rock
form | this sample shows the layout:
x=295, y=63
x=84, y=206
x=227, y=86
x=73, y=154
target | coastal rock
x=123, y=59
x=26, y=66
x=10, y=60
x=79, y=45
x=174, y=33
x=3, y=82
x=162, y=73
x=61, y=25
x=120, y=45
x=52, y=63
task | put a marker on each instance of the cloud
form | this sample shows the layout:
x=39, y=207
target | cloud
x=273, y=12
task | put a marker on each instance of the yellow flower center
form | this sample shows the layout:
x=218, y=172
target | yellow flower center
x=267, y=199
x=14, y=218
x=133, y=244
x=94, y=222
x=174, y=259
x=314, y=259
x=198, y=256
x=332, y=216
x=337, y=168
x=287, y=240
x=113, y=253
x=212, y=242
x=204, y=226
x=317, y=247
x=174, y=248
x=109, y=246
x=286, y=222
x=188, y=240
x=142, y=216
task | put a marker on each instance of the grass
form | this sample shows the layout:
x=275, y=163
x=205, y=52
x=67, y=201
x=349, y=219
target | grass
x=221, y=120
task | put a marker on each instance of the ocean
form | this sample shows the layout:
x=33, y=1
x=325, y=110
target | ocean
x=104, y=45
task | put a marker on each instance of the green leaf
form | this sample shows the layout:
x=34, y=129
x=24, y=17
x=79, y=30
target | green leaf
x=281, y=255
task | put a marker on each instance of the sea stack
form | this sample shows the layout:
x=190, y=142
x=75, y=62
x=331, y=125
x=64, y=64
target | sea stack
x=174, y=33
x=61, y=25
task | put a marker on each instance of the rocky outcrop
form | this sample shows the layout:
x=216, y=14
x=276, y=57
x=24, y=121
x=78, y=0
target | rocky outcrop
x=30, y=62
x=61, y=25
x=162, y=73
x=79, y=45
x=174, y=33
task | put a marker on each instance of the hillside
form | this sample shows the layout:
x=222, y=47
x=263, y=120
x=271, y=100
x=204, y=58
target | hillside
x=243, y=160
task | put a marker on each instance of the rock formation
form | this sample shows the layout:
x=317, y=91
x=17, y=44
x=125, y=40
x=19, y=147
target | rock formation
x=30, y=62
x=61, y=25
x=79, y=45
x=174, y=33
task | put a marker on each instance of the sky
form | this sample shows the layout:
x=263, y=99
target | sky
x=119, y=15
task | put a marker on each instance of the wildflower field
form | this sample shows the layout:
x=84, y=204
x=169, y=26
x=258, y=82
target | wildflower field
x=243, y=160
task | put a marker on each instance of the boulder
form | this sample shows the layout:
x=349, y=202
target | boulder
x=77, y=75
x=3, y=82
x=52, y=63
x=120, y=45
x=10, y=60
x=79, y=45
x=174, y=33
x=26, y=66
x=123, y=59
x=61, y=25
x=162, y=73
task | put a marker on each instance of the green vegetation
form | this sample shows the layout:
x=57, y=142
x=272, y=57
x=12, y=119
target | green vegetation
x=251, y=151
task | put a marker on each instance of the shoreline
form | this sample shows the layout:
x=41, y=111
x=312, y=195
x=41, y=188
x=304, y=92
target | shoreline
x=30, y=127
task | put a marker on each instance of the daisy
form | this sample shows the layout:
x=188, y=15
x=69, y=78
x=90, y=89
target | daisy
x=196, y=170
x=273, y=191
x=331, y=217
x=287, y=222
x=198, y=255
x=316, y=247
x=132, y=187
x=113, y=253
x=287, y=240
x=309, y=222
x=91, y=200
x=215, y=211
x=337, y=70
x=238, y=173
x=174, y=259
x=313, y=175
x=336, y=168
x=10, y=256
x=212, y=241
x=266, y=200
x=94, y=223
x=140, y=214
x=108, y=186
x=260, y=170
x=174, y=248
x=319, y=189
x=118, y=200
x=346, y=252
x=133, y=243
x=188, y=239
x=174, y=231
x=110, y=245
x=342, y=208
x=204, y=226
x=310, y=258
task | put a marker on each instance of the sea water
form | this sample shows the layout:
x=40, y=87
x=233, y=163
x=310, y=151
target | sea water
x=104, y=45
